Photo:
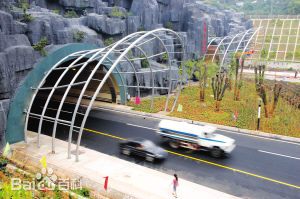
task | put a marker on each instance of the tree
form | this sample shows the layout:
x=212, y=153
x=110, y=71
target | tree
x=238, y=77
x=201, y=75
x=276, y=93
x=261, y=90
x=219, y=84
x=202, y=71
x=260, y=87
x=189, y=67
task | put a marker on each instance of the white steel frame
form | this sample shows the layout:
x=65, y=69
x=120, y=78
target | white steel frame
x=112, y=55
x=242, y=40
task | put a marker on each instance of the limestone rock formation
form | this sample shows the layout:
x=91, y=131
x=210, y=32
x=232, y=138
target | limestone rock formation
x=106, y=25
x=92, y=21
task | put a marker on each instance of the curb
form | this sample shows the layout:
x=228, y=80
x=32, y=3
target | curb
x=127, y=109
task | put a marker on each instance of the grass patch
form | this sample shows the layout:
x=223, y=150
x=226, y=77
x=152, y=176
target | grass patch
x=286, y=120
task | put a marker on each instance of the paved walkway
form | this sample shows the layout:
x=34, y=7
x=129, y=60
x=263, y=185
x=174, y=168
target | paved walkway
x=126, y=179
x=285, y=76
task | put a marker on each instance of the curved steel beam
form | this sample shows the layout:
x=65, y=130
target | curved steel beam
x=213, y=59
x=225, y=54
x=105, y=78
x=249, y=42
x=40, y=85
x=54, y=88
x=242, y=39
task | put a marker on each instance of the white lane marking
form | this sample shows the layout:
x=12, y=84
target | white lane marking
x=141, y=126
x=261, y=137
x=234, y=132
x=287, y=156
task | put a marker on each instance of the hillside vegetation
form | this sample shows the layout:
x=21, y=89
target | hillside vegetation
x=285, y=121
x=260, y=7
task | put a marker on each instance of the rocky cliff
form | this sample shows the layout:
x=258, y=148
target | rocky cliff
x=25, y=23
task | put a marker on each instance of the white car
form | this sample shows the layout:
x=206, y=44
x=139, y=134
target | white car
x=195, y=137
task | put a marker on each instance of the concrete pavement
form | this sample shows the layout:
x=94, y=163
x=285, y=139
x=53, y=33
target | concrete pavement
x=126, y=179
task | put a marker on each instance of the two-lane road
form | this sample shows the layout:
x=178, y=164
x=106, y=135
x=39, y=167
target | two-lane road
x=257, y=168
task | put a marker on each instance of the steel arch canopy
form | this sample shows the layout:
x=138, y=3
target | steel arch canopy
x=231, y=44
x=91, y=72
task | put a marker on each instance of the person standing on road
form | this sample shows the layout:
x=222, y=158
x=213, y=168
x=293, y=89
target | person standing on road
x=175, y=185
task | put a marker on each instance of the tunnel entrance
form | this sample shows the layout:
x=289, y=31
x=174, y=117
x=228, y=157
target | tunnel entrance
x=110, y=93
x=58, y=95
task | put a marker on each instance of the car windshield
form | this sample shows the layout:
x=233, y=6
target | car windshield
x=210, y=135
x=148, y=144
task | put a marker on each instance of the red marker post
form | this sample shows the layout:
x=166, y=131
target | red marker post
x=137, y=100
x=106, y=183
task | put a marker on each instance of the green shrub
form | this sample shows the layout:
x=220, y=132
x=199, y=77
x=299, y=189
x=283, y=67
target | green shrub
x=272, y=55
x=71, y=14
x=169, y=25
x=165, y=57
x=78, y=35
x=27, y=18
x=268, y=38
x=117, y=13
x=264, y=53
x=109, y=41
x=83, y=192
x=144, y=62
x=56, y=11
x=141, y=28
x=41, y=45
x=24, y=5
x=7, y=192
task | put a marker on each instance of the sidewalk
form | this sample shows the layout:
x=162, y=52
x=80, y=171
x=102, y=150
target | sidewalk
x=126, y=179
x=285, y=76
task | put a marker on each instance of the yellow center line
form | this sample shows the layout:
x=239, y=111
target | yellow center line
x=207, y=162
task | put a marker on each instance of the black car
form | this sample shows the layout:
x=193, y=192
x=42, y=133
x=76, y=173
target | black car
x=143, y=148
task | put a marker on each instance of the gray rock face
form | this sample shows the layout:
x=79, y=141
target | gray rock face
x=6, y=23
x=4, y=106
x=7, y=41
x=133, y=24
x=45, y=24
x=15, y=62
x=77, y=3
x=58, y=30
x=106, y=25
x=5, y=5
x=148, y=12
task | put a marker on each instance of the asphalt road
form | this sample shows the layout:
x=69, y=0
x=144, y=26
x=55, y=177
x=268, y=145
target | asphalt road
x=257, y=168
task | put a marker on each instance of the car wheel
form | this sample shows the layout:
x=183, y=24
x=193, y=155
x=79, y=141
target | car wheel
x=216, y=152
x=126, y=151
x=149, y=158
x=174, y=145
